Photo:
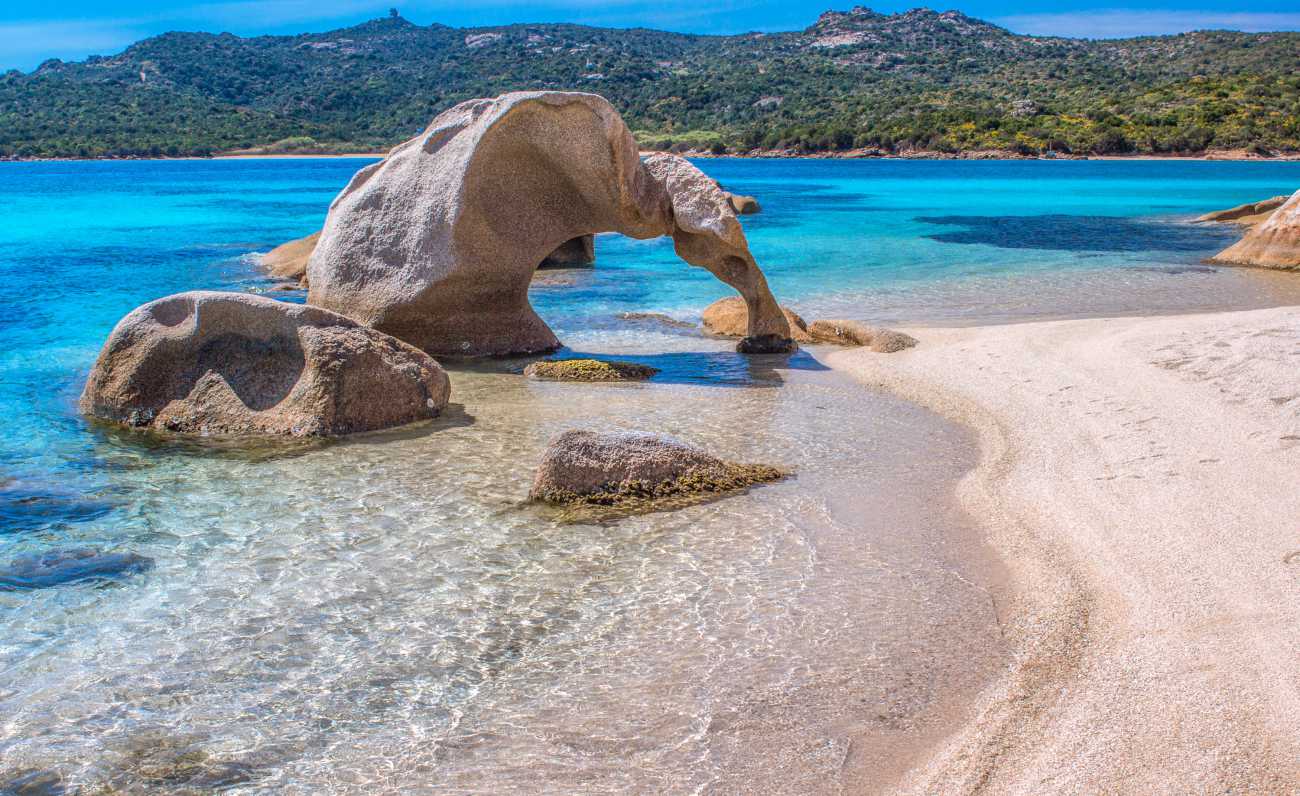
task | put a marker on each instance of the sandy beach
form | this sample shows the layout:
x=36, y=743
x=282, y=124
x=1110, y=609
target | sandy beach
x=1138, y=476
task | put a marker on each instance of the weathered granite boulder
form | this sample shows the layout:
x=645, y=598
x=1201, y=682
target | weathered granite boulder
x=743, y=205
x=610, y=468
x=588, y=370
x=1249, y=213
x=574, y=252
x=1273, y=243
x=231, y=364
x=436, y=243
x=884, y=341
x=729, y=317
x=72, y=565
x=289, y=260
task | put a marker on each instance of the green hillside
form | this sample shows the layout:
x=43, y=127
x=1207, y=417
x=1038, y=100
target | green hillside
x=918, y=80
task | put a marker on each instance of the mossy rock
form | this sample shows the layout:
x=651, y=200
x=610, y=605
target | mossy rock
x=726, y=477
x=588, y=370
x=593, y=476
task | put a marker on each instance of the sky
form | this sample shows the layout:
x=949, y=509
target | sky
x=73, y=29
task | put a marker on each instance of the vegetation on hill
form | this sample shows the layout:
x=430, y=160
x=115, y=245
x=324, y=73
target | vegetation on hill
x=858, y=79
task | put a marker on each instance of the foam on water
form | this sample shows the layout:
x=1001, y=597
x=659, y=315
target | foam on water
x=387, y=612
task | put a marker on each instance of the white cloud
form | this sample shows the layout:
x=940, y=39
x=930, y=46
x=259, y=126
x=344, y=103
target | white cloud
x=1122, y=23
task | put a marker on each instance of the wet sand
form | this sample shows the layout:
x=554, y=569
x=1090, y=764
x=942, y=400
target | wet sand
x=1138, y=476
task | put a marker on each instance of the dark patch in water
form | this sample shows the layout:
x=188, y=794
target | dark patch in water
x=24, y=508
x=1078, y=233
x=72, y=565
x=156, y=762
x=32, y=783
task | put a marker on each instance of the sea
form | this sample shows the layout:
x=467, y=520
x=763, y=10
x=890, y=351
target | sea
x=388, y=614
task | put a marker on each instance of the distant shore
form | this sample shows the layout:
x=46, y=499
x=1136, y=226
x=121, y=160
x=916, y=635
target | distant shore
x=1225, y=155
x=1135, y=478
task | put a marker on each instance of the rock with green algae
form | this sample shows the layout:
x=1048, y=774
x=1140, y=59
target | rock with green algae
x=588, y=370
x=636, y=469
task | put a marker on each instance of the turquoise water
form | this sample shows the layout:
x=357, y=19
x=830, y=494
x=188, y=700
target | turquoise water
x=324, y=618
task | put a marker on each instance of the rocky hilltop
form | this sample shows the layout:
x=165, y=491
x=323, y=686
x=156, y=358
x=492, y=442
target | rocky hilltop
x=857, y=79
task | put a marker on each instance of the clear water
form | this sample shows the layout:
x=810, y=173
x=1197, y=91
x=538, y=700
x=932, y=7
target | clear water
x=386, y=614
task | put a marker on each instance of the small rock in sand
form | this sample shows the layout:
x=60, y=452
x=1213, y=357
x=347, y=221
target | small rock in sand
x=883, y=341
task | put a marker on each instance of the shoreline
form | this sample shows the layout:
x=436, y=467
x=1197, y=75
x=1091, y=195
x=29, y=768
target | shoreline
x=986, y=155
x=1131, y=477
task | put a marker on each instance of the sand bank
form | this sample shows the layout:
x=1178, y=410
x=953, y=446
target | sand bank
x=1139, y=476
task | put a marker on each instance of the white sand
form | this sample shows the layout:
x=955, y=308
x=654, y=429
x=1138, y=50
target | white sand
x=1141, y=478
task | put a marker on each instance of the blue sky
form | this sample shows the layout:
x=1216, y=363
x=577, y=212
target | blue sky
x=73, y=29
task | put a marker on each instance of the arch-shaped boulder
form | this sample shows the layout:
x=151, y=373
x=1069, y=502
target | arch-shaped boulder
x=436, y=243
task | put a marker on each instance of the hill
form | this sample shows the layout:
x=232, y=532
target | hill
x=856, y=79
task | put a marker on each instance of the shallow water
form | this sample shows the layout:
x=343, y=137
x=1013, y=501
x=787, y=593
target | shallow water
x=387, y=612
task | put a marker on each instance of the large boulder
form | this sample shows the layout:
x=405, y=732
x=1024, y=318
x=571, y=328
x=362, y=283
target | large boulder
x=853, y=333
x=1273, y=243
x=729, y=317
x=436, y=243
x=612, y=468
x=289, y=260
x=231, y=364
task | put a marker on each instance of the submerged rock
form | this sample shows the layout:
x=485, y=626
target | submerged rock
x=1273, y=243
x=574, y=252
x=32, y=783
x=729, y=317
x=884, y=341
x=658, y=318
x=615, y=468
x=436, y=243
x=588, y=370
x=159, y=762
x=230, y=364
x=1249, y=213
x=73, y=565
x=29, y=507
